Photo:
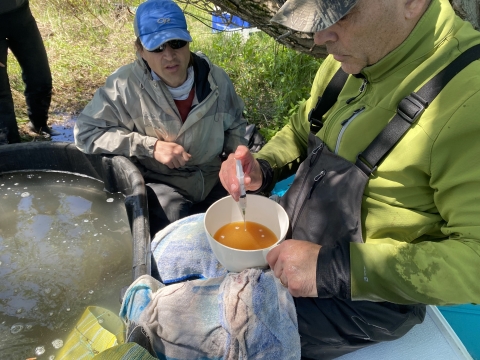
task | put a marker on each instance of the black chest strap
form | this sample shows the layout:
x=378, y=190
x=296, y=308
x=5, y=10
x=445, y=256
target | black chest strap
x=409, y=109
x=326, y=101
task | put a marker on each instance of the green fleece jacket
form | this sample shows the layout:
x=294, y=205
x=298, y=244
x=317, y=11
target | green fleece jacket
x=421, y=207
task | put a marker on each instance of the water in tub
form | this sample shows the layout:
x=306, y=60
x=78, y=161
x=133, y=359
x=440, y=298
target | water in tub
x=65, y=244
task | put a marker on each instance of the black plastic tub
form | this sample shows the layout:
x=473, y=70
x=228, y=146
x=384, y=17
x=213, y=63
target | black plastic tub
x=117, y=173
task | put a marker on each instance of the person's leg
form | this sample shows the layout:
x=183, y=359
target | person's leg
x=26, y=44
x=165, y=205
x=330, y=328
x=8, y=123
x=217, y=193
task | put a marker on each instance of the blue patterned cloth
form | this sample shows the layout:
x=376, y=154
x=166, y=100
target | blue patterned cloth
x=218, y=315
x=182, y=252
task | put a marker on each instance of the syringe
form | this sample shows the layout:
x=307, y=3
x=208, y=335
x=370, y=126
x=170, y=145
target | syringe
x=242, y=202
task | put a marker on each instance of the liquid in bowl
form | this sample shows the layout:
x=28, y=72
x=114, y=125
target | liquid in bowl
x=254, y=237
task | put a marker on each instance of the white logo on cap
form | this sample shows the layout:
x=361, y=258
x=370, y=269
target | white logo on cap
x=163, y=20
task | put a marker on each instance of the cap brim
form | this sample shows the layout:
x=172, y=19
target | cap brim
x=312, y=16
x=152, y=41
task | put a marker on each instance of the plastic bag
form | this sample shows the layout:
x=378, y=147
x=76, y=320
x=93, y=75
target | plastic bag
x=97, y=330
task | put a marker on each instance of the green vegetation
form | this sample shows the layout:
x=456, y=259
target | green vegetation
x=87, y=40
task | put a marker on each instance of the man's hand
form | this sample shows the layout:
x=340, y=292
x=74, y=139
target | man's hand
x=170, y=154
x=294, y=262
x=251, y=168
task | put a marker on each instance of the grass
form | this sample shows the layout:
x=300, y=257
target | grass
x=87, y=40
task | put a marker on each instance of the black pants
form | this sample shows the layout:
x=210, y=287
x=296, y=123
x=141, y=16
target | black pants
x=166, y=204
x=19, y=33
x=330, y=328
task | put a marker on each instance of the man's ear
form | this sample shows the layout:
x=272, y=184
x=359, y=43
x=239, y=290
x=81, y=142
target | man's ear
x=414, y=9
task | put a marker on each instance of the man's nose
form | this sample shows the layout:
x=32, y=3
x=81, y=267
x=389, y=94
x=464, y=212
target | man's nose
x=321, y=37
x=168, y=52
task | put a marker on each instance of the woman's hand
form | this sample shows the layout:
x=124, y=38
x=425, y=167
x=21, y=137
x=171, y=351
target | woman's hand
x=170, y=154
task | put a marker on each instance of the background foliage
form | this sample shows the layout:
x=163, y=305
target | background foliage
x=86, y=40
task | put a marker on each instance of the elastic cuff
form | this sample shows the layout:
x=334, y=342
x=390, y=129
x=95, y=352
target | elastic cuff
x=149, y=146
x=267, y=175
x=333, y=271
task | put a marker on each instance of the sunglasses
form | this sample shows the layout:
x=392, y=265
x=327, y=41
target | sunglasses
x=174, y=44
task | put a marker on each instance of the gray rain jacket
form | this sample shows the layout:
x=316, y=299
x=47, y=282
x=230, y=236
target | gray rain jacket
x=132, y=111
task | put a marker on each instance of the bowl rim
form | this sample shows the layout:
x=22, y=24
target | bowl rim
x=231, y=248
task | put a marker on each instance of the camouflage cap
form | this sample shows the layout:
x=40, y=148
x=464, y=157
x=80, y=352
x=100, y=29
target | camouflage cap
x=311, y=16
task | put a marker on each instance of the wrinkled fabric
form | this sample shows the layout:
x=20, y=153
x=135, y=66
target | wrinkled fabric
x=247, y=315
x=189, y=258
x=259, y=316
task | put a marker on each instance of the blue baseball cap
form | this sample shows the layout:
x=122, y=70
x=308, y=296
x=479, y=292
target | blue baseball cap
x=159, y=21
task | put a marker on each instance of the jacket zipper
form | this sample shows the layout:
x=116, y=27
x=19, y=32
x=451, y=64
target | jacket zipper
x=315, y=153
x=201, y=105
x=214, y=92
x=203, y=181
x=345, y=124
x=316, y=180
x=313, y=159
x=362, y=89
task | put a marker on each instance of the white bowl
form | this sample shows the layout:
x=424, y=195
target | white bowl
x=260, y=209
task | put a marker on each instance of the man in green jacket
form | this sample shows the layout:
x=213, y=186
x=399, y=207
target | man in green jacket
x=419, y=212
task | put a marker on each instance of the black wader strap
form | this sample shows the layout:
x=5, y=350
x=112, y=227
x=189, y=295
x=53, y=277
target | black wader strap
x=409, y=110
x=326, y=101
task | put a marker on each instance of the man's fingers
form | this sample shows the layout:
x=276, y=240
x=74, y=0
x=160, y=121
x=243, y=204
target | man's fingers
x=241, y=152
x=222, y=179
x=272, y=258
x=186, y=156
x=228, y=177
x=178, y=161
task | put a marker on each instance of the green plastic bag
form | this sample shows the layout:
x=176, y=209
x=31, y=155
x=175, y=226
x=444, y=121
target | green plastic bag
x=127, y=351
x=97, y=330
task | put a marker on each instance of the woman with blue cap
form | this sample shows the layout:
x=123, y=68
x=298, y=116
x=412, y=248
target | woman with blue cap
x=171, y=111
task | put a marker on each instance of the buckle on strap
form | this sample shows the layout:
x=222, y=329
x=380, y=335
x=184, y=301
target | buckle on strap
x=315, y=124
x=411, y=107
x=363, y=165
